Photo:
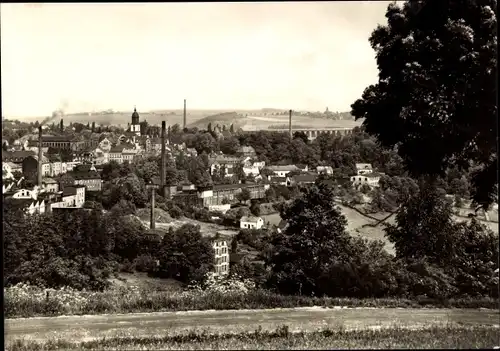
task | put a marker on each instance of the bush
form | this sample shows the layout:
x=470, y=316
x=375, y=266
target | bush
x=175, y=212
x=145, y=263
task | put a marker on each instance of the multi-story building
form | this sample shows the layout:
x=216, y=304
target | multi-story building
x=50, y=185
x=72, y=197
x=363, y=168
x=219, y=194
x=224, y=162
x=221, y=256
x=87, y=176
x=370, y=179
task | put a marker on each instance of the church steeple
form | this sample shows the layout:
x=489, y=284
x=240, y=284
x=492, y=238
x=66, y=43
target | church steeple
x=135, y=117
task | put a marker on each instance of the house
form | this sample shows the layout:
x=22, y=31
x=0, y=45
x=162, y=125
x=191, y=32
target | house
x=282, y=171
x=101, y=156
x=16, y=157
x=8, y=168
x=251, y=169
x=23, y=194
x=324, y=170
x=30, y=166
x=72, y=197
x=29, y=206
x=115, y=154
x=363, y=168
x=50, y=185
x=246, y=151
x=278, y=180
x=303, y=179
x=57, y=167
x=303, y=168
x=370, y=179
x=221, y=255
x=251, y=222
x=223, y=162
x=87, y=176
x=223, y=193
x=104, y=144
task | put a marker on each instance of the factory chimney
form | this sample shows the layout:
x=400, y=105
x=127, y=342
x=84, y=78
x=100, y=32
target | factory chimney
x=163, y=158
x=184, y=124
x=40, y=156
x=290, y=125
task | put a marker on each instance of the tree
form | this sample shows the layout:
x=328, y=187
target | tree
x=255, y=209
x=314, y=240
x=436, y=94
x=229, y=146
x=61, y=126
x=244, y=195
x=209, y=127
x=93, y=127
x=424, y=227
x=185, y=254
x=231, y=129
x=301, y=135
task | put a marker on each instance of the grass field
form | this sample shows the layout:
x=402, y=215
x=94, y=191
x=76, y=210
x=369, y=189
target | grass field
x=451, y=337
x=246, y=119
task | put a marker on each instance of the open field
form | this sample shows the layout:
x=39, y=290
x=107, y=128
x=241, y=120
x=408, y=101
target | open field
x=246, y=119
x=449, y=337
x=144, y=325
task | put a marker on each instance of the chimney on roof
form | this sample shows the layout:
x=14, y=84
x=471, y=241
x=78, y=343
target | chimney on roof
x=163, y=165
x=184, y=120
x=40, y=156
x=290, y=125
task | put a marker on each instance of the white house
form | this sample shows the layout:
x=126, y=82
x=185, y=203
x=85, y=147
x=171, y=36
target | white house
x=25, y=194
x=363, y=168
x=325, y=170
x=282, y=171
x=370, y=179
x=251, y=222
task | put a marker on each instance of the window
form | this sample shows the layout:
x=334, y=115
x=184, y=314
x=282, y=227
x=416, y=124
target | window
x=366, y=179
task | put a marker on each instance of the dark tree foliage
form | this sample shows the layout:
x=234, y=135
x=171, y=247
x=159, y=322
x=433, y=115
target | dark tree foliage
x=436, y=99
x=185, y=255
x=314, y=240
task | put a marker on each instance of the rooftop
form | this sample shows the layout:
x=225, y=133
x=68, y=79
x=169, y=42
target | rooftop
x=363, y=166
x=284, y=168
x=251, y=219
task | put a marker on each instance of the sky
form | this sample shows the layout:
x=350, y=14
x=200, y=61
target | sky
x=89, y=57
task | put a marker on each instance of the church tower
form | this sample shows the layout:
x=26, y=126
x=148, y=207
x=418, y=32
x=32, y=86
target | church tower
x=135, y=127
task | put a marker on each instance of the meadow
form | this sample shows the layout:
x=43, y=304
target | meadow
x=449, y=337
x=25, y=301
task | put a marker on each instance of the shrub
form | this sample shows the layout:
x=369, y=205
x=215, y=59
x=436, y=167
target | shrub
x=145, y=263
x=175, y=211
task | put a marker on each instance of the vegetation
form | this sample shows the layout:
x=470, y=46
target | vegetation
x=437, y=89
x=451, y=336
x=29, y=301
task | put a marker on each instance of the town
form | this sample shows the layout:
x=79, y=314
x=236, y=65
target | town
x=214, y=190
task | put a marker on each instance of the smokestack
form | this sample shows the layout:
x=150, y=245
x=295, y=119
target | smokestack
x=40, y=156
x=290, y=125
x=163, y=157
x=184, y=124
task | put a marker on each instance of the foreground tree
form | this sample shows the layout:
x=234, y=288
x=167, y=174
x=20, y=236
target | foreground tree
x=436, y=94
x=314, y=240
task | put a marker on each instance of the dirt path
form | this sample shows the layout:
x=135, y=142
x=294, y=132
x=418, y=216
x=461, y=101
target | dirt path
x=82, y=328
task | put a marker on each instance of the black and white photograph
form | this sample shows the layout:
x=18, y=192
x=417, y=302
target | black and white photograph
x=250, y=175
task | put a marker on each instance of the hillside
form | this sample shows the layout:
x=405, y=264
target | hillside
x=245, y=119
x=225, y=118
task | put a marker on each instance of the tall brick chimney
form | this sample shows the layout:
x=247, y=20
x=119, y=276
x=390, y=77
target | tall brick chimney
x=290, y=125
x=40, y=156
x=163, y=158
x=184, y=120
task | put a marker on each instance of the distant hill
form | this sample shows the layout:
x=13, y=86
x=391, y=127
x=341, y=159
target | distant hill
x=225, y=118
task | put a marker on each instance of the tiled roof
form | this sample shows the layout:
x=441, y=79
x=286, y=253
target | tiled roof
x=360, y=166
x=278, y=179
x=117, y=148
x=250, y=219
x=283, y=168
x=305, y=178
x=48, y=181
